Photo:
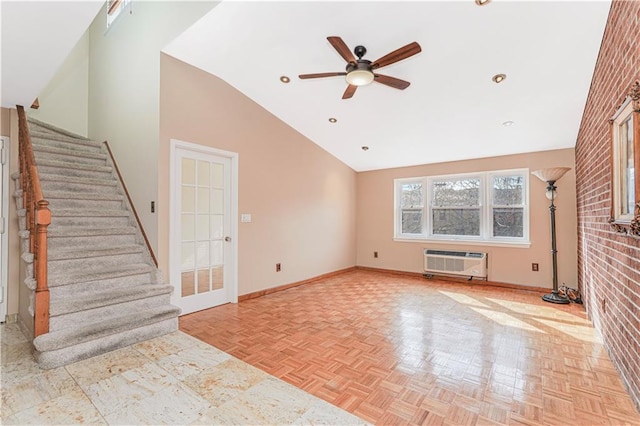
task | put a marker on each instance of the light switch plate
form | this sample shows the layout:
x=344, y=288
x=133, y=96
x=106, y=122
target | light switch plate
x=245, y=218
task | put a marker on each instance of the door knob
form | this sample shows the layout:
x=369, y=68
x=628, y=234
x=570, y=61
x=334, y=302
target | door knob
x=227, y=239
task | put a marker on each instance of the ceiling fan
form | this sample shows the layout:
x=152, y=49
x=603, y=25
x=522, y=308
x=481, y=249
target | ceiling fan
x=360, y=72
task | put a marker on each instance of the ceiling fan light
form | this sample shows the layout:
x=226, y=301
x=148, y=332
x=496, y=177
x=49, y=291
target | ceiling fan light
x=359, y=77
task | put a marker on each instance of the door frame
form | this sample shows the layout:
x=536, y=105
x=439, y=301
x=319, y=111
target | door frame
x=4, y=236
x=174, y=237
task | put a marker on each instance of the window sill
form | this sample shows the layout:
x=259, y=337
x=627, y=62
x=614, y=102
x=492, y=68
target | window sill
x=510, y=244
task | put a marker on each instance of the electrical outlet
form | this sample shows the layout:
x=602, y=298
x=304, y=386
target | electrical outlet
x=534, y=267
x=375, y=254
x=278, y=267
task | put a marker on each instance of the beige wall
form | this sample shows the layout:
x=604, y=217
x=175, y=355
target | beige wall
x=506, y=264
x=64, y=102
x=124, y=78
x=302, y=199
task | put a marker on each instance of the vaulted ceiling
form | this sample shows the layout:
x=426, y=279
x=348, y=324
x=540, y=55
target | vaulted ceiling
x=451, y=111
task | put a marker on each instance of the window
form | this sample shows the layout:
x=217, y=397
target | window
x=485, y=207
x=626, y=156
x=114, y=8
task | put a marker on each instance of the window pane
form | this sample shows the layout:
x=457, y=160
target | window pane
x=508, y=222
x=412, y=221
x=411, y=196
x=188, y=199
x=456, y=222
x=459, y=192
x=188, y=171
x=508, y=190
x=203, y=173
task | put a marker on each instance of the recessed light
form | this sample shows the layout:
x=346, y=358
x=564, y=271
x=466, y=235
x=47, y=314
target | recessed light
x=499, y=78
x=482, y=2
x=508, y=123
x=365, y=148
x=333, y=120
x=285, y=79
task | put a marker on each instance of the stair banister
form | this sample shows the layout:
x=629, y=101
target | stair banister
x=38, y=218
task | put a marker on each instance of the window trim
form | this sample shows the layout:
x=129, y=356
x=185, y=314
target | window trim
x=630, y=109
x=486, y=236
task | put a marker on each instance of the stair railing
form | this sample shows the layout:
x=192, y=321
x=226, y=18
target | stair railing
x=38, y=218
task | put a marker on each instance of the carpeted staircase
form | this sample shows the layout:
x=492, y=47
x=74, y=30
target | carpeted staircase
x=105, y=289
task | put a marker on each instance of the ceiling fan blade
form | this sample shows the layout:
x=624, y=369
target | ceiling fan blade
x=322, y=74
x=351, y=89
x=396, y=83
x=397, y=55
x=342, y=48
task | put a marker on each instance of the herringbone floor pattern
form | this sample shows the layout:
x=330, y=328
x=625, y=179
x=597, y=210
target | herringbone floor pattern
x=403, y=350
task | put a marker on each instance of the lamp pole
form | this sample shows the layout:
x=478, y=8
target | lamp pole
x=553, y=297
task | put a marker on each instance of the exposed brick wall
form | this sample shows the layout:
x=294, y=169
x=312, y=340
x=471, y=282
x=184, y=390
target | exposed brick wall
x=609, y=263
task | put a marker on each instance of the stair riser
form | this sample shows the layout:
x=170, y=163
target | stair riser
x=94, y=241
x=72, y=290
x=107, y=313
x=65, y=145
x=98, y=221
x=58, y=267
x=69, y=203
x=49, y=185
x=64, y=356
x=64, y=171
x=67, y=158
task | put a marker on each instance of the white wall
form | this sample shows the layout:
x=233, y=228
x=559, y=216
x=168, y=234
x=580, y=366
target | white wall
x=65, y=101
x=124, y=91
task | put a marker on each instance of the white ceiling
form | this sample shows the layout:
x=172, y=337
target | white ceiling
x=37, y=36
x=451, y=111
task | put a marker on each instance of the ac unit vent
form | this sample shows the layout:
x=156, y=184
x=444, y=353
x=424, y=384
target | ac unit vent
x=465, y=263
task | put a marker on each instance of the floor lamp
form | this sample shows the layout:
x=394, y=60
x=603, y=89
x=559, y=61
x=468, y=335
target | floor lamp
x=550, y=176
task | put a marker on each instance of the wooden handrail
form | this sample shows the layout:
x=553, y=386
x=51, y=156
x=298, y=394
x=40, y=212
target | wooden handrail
x=38, y=218
x=133, y=209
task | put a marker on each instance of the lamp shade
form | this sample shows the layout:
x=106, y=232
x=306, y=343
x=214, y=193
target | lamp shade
x=552, y=174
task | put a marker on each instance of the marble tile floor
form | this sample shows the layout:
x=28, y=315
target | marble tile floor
x=174, y=379
x=403, y=350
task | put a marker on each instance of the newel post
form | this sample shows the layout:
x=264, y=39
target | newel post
x=41, y=317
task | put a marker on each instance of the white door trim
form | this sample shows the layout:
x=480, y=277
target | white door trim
x=174, y=237
x=4, y=227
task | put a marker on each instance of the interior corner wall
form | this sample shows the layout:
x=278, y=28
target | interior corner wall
x=608, y=262
x=65, y=101
x=301, y=198
x=509, y=265
x=124, y=91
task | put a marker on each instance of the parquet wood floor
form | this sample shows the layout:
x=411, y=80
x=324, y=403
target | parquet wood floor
x=403, y=350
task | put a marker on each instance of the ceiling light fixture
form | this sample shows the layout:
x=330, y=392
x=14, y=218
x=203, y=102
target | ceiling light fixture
x=508, y=123
x=499, y=78
x=482, y=2
x=365, y=148
x=360, y=76
x=333, y=120
x=285, y=79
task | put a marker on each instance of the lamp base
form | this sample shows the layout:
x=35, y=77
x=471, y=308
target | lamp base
x=553, y=297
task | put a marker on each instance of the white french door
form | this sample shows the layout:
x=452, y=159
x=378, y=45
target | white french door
x=203, y=224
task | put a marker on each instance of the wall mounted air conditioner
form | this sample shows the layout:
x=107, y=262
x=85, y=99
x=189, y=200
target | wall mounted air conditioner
x=463, y=263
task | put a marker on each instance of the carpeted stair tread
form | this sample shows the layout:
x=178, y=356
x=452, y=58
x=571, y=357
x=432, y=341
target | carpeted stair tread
x=97, y=299
x=69, y=337
x=79, y=231
x=35, y=125
x=78, y=166
x=83, y=275
x=87, y=252
x=36, y=134
x=57, y=212
x=72, y=153
x=44, y=177
x=93, y=196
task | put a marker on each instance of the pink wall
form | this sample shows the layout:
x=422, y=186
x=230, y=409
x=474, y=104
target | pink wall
x=506, y=264
x=302, y=199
